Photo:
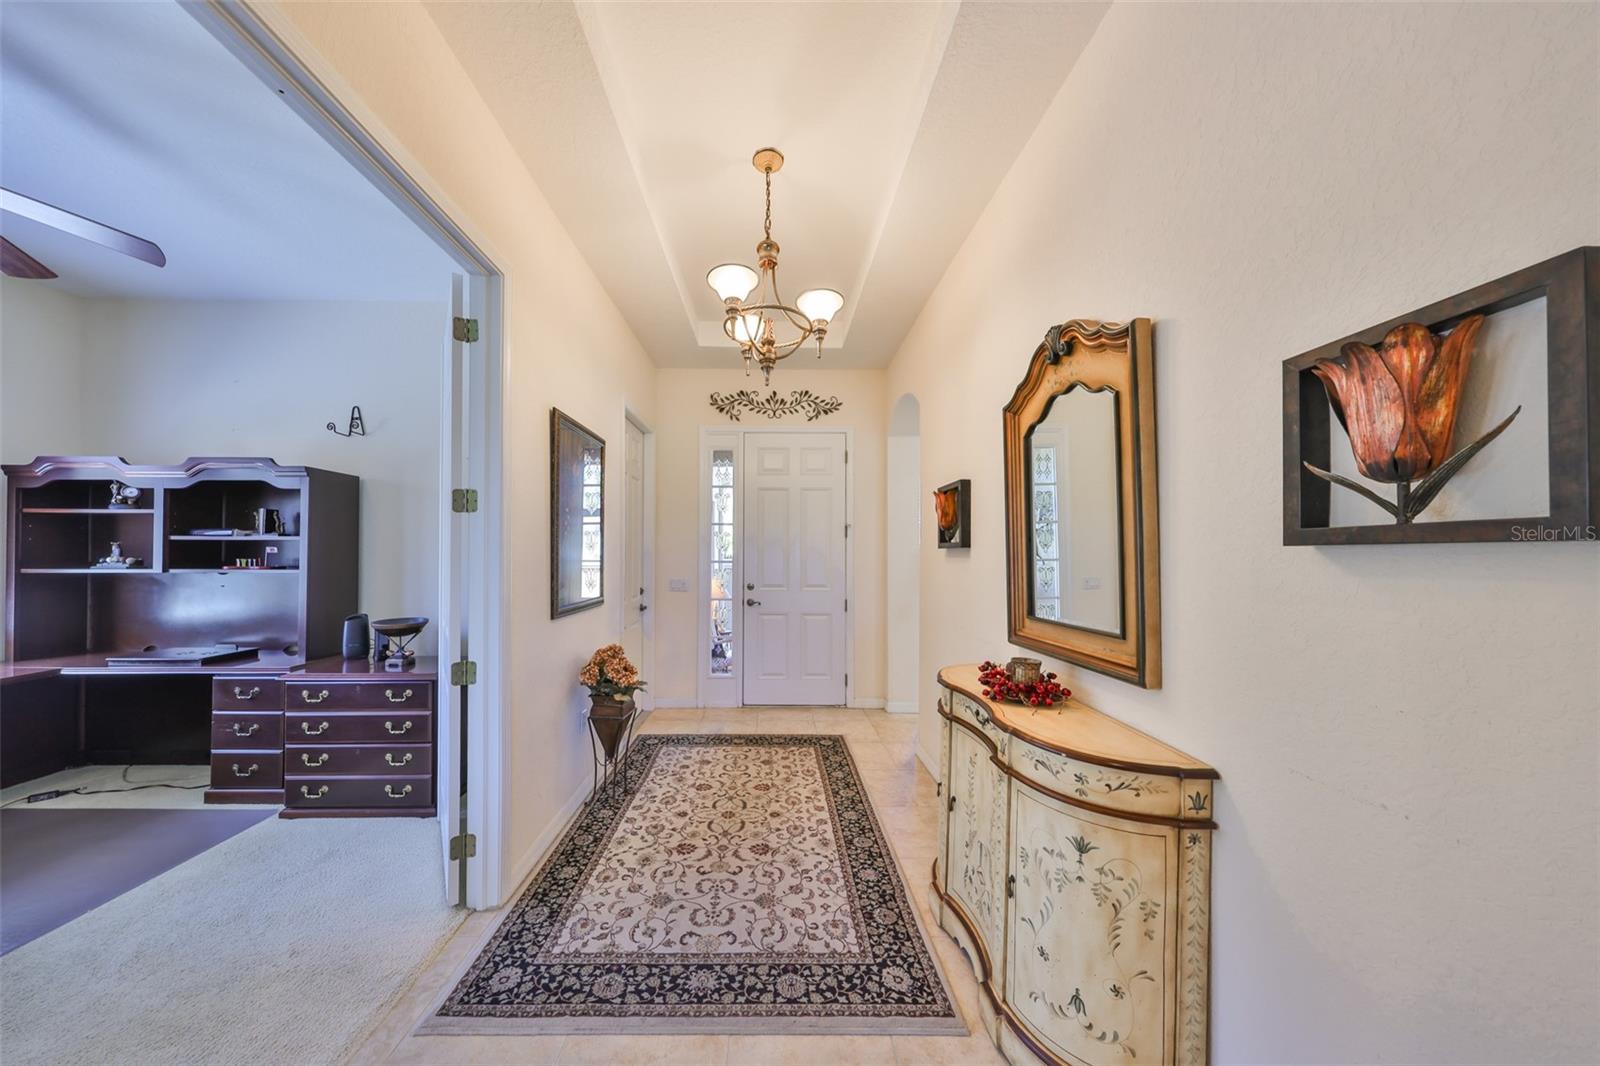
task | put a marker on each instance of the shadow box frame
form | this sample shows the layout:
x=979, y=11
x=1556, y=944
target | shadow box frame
x=1570, y=285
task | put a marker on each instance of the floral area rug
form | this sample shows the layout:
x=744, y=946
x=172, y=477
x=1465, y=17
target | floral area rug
x=732, y=884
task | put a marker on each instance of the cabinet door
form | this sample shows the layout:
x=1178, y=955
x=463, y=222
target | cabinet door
x=945, y=729
x=1093, y=933
x=977, y=837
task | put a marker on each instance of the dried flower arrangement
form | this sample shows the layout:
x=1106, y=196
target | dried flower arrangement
x=608, y=673
x=997, y=685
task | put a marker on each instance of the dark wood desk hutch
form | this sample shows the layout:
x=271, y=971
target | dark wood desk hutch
x=130, y=662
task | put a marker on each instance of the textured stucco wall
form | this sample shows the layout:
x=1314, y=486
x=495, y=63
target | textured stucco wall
x=1407, y=867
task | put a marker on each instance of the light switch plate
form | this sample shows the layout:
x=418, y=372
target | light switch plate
x=678, y=584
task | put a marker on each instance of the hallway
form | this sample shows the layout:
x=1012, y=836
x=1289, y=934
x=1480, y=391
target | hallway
x=902, y=794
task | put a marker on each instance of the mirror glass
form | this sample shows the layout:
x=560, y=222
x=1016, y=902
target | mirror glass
x=1075, y=509
x=577, y=528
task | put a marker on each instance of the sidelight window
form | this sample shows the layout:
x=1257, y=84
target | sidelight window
x=722, y=590
x=1046, y=535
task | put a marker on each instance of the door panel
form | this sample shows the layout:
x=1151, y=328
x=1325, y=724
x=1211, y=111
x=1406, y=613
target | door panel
x=977, y=836
x=1092, y=933
x=795, y=568
x=633, y=604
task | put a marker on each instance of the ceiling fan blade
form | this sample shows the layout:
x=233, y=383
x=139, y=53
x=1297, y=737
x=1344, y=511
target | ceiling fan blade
x=78, y=226
x=15, y=263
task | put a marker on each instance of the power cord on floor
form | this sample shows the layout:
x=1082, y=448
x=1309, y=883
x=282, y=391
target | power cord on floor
x=40, y=797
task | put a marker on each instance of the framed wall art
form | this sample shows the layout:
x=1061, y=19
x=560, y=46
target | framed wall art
x=952, y=512
x=1471, y=419
x=577, y=516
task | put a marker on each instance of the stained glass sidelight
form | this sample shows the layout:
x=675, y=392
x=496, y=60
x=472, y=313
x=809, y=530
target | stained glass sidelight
x=722, y=591
x=1046, y=539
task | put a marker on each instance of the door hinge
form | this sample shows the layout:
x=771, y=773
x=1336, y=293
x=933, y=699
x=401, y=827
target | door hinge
x=464, y=672
x=464, y=329
x=463, y=846
x=464, y=501
x=847, y=531
x=847, y=605
x=847, y=455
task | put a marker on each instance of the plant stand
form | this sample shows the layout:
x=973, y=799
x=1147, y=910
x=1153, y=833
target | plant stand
x=610, y=740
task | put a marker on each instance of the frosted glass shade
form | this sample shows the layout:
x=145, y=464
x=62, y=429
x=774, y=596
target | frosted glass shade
x=731, y=281
x=747, y=329
x=819, y=305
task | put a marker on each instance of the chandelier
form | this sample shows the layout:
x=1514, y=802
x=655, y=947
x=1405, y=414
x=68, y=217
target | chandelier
x=754, y=315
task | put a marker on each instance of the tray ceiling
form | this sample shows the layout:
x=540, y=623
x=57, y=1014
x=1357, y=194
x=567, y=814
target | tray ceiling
x=898, y=121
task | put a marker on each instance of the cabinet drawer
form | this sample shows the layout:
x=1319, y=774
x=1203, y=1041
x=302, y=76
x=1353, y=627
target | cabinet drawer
x=238, y=729
x=340, y=759
x=1104, y=786
x=247, y=694
x=246, y=769
x=313, y=792
x=406, y=695
x=976, y=714
x=356, y=727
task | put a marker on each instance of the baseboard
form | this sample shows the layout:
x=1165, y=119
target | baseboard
x=928, y=762
x=866, y=705
x=667, y=705
x=544, y=841
x=900, y=707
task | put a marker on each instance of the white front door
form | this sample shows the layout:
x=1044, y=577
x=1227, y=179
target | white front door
x=634, y=604
x=795, y=569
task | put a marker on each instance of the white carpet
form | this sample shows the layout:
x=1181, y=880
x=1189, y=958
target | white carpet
x=284, y=944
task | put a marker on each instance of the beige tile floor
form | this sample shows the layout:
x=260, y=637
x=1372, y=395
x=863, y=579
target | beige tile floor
x=902, y=792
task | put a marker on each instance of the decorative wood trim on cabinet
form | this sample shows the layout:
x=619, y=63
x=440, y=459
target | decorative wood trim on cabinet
x=1102, y=948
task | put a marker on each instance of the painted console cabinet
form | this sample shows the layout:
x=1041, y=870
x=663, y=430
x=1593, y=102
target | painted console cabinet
x=1074, y=870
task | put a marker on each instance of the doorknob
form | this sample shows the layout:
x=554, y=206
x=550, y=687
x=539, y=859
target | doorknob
x=749, y=586
x=752, y=603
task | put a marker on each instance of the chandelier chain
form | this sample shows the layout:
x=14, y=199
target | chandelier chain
x=768, y=223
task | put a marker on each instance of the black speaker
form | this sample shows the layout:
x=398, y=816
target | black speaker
x=357, y=640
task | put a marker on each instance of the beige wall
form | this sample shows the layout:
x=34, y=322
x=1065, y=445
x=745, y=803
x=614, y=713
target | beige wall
x=566, y=345
x=1407, y=868
x=683, y=408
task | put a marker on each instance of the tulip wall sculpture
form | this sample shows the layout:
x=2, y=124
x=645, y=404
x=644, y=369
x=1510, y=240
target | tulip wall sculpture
x=1398, y=404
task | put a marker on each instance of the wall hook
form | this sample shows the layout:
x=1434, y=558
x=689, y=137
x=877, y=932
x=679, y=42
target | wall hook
x=358, y=428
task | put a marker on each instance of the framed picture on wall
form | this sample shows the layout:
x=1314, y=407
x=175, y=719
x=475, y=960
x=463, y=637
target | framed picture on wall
x=577, y=516
x=952, y=512
x=1492, y=438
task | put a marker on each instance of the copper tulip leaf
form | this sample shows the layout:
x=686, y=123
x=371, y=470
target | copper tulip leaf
x=1429, y=486
x=1354, y=486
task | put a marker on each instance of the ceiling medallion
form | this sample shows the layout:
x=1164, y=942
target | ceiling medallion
x=752, y=307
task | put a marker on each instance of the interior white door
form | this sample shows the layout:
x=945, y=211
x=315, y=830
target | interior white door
x=634, y=605
x=794, y=569
x=451, y=700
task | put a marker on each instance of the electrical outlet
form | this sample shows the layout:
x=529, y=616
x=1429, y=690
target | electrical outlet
x=678, y=584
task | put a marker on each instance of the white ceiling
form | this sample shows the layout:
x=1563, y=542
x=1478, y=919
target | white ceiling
x=638, y=120
x=134, y=115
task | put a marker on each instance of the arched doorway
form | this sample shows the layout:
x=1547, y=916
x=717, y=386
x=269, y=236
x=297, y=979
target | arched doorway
x=904, y=526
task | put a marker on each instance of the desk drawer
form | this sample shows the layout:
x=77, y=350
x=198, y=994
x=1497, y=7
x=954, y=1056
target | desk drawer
x=358, y=727
x=235, y=729
x=312, y=792
x=340, y=759
x=398, y=695
x=246, y=769
x=246, y=694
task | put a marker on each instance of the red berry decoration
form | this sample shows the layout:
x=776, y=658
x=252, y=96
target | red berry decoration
x=1045, y=692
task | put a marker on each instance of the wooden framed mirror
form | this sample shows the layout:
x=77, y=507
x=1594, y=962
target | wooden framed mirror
x=577, y=516
x=1083, y=559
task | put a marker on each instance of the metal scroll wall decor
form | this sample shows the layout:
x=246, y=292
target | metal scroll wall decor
x=800, y=401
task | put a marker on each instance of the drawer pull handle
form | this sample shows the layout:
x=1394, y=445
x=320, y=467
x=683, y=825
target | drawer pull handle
x=305, y=790
x=305, y=694
x=388, y=757
x=388, y=790
x=306, y=758
x=241, y=694
x=246, y=773
x=406, y=728
x=245, y=732
x=305, y=727
x=1011, y=886
x=389, y=695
